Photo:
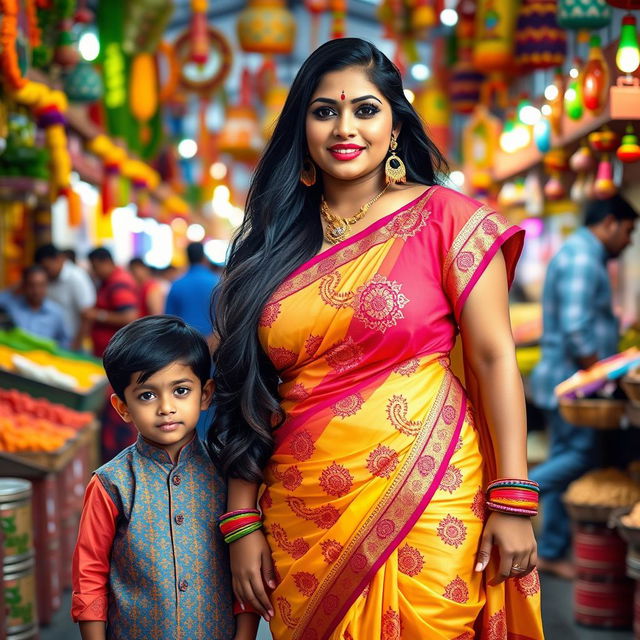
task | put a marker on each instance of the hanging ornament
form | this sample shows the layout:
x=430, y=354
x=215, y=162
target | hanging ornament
x=494, y=35
x=555, y=163
x=542, y=134
x=603, y=141
x=422, y=18
x=479, y=146
x=583, y=14
x=629, y=150
x=84, y=83
x=554, y=189
x=339, y=18
x=573, y=100
x=266, y=26
x=578, y=191
x=66, y=54
x=199, y=32
x=583, y=160
x=628, y=53
x=143, y=92
x=465, y=87
x=556, y=103
x=540, y=43
x=604, y=187
x=145, y=23
x=595, y=78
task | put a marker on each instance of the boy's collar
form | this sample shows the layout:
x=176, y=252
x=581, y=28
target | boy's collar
x=160, y=455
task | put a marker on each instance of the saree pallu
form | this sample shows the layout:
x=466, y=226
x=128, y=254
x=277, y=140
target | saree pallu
x=374, y=504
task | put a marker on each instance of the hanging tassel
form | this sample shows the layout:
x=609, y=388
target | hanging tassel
x=199, y=32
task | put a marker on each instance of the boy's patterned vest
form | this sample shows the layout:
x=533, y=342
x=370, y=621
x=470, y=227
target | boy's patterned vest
x=169, y=577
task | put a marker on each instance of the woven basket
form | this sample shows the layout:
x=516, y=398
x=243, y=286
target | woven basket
x=596, y=413
x=588, y=512
x=631, y=386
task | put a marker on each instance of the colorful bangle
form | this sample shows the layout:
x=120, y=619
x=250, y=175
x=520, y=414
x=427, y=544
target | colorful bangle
x=239, y=523
x=492, y=506
x=514, y=482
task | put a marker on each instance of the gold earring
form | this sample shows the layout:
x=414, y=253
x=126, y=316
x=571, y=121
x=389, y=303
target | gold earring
x=394, y=169
x=308, y=173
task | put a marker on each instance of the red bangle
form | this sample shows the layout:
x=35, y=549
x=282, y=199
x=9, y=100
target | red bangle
x=492, y=506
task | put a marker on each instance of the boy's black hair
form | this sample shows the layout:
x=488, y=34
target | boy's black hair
x=46, y=252
x=149, y=344
x=100, y=254
x=597, y=210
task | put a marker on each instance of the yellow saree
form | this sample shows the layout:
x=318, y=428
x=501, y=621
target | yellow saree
x=374, y=500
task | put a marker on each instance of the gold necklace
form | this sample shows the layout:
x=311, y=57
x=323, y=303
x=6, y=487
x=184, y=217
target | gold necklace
x=337, y=228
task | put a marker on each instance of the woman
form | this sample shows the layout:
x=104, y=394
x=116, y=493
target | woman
x=340, y=306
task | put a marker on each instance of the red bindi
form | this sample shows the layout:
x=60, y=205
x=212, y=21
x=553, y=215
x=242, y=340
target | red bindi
x=342, y=96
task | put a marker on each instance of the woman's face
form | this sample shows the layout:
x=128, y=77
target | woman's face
x=349, y=125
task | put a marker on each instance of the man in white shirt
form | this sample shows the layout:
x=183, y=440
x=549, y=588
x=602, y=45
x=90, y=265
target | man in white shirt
x=71, y=287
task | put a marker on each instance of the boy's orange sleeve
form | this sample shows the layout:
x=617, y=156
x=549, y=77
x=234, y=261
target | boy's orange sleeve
x=90, y=570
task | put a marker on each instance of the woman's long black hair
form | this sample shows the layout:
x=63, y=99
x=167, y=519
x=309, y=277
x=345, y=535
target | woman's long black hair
x=280, y=231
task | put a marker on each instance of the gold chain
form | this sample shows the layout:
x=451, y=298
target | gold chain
x=338, y=229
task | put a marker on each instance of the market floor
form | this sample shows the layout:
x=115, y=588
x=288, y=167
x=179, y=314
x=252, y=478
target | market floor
x=557, y=611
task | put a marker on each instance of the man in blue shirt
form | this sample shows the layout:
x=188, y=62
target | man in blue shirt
x=32, y=311
x=579, y=329
x=190, y=296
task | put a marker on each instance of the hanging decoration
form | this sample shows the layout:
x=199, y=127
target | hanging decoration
x=604, y=186
x=624, y=96
x=629, y=150
x=542, y=134
x=556, y=103
x=266, y=26
x=315, y=8
x=166, y=91
x=9, y=68
x=583, y=163
x=555, y=163
x=595, y=78
x=143, y=92
x=604, y=140
x=540, y=43
x=479, y=138
x=112, y=156
x=338, y=18
x=83, y=83
x=66, y=54
x=144, y=25
x=199, y=33
x=573, y=99
x=583, y=14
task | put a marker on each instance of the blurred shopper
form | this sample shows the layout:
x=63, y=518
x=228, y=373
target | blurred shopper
x=116, y=306
x=31, y=309
x=579, y=329
x=190, y=296
x=151, y=291
x=71, y=287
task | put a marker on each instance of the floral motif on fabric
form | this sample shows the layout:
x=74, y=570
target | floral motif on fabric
x=382, y=461
x=297, y=393
x=426, y=465
x=305, y=582
x=498, y=626
x=312, y=344
x=478, y=505
x=358, y=562
x=457, y=590
x=265, y=500
x=406, y=226
x=410, y=560
x=397, y=410
x=291, y=478
x=348, y=406
x=452, y=531
x=335, y=480
x=490, y=227
x=331, y=549
x=448, y=414
x=529, y=585
x=451, y=480
x=344, y=355
x=385, y=528
x=301, y=446
x=323, y=517
x=282, y=358
x=269, y=314
x=391, y=625
x=330, y=604
x=327, y=265
x=465, y=260
x=378, y=303
x=284, y=609
x=329, y=293
x=295, y=548
x=407, y=368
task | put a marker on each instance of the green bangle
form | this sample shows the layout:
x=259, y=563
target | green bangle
x=241, y=533
x=514, y=484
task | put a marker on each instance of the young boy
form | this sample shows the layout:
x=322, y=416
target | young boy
x=150, y=563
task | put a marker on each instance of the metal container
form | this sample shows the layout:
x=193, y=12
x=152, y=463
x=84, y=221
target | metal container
x=20, y=597
x=15, y=519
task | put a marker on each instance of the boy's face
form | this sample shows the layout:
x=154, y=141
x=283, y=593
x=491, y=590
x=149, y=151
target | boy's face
x=166, y=407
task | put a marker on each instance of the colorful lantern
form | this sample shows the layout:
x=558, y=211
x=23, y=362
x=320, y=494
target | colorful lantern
x=629, y=150
x=628, y=53
x=542, y=135
x=432, y=104
x=555, y=163
x=494, y=34
x=582, y=161
x=595, y=78
x=604, y=186
x=540, y=43
x=143, y=92
x=573, y=100
x=583, y=14
x=266, y=26
x=479, y=142
x=84, y=83
x=603, y=141
x=465, y=87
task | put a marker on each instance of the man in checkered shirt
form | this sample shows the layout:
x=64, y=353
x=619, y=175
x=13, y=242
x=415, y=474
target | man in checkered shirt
x=579, y=329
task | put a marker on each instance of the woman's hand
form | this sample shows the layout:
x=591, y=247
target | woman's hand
x=513, y=535
x=251, y=569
